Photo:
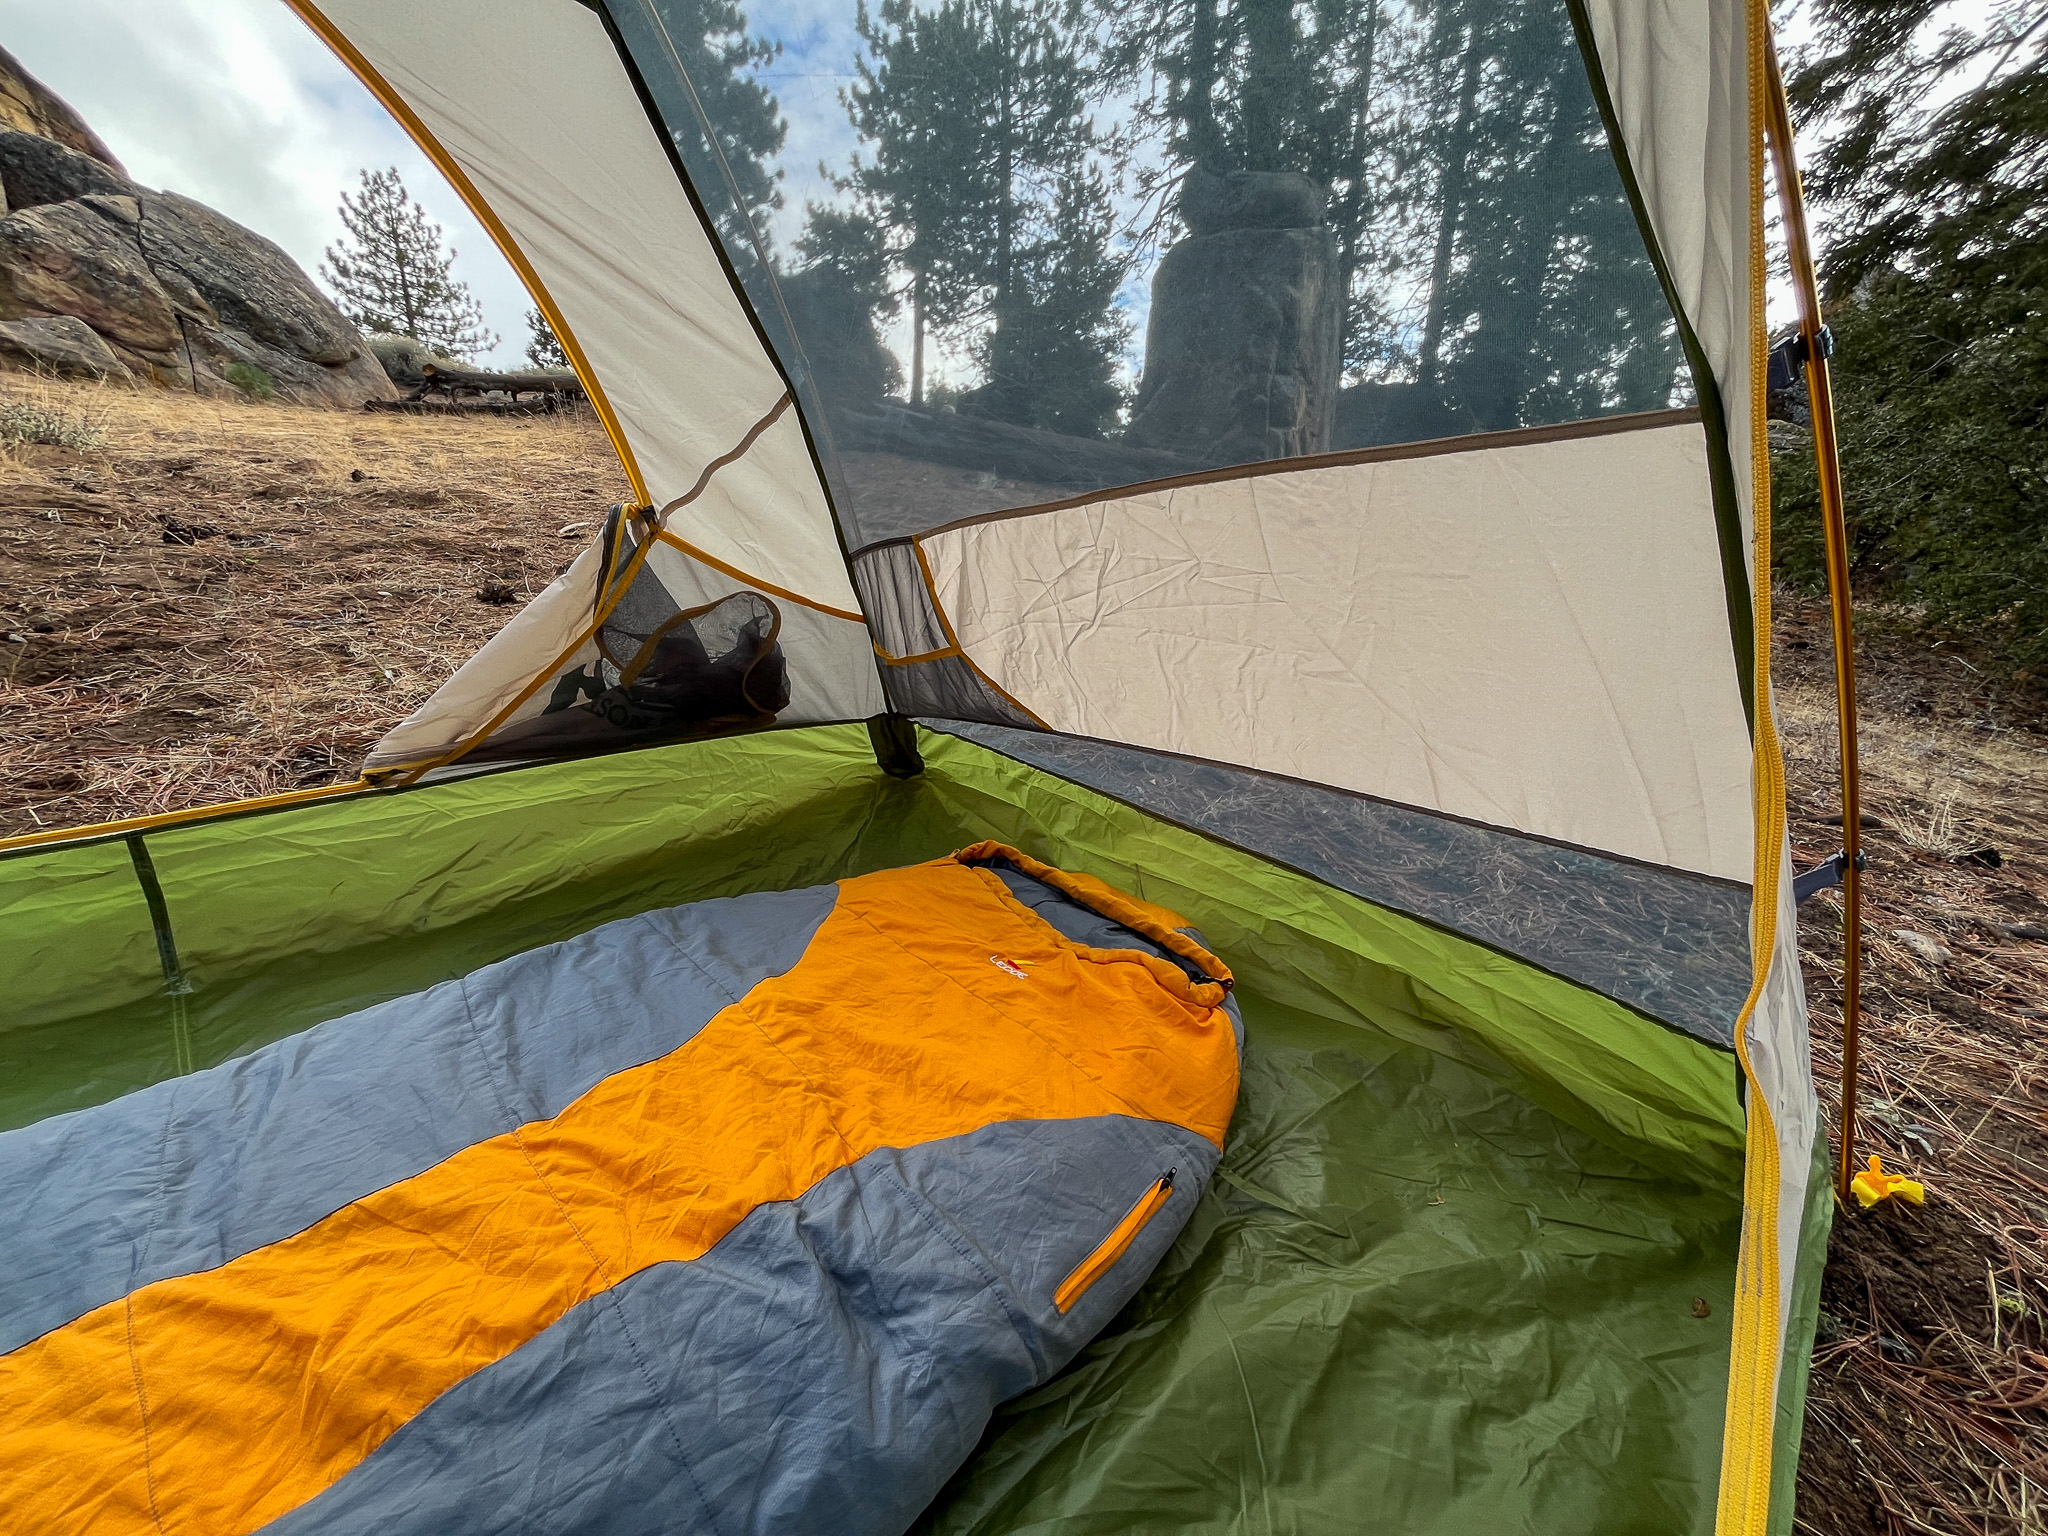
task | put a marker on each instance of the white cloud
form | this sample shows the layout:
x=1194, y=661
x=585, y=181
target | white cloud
x=236, y=103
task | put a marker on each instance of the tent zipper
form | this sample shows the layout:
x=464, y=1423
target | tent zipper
x=1097, y=1264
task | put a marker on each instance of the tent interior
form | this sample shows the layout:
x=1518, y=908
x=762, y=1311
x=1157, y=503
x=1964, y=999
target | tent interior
x=1413, y=658
x=1469, y=1257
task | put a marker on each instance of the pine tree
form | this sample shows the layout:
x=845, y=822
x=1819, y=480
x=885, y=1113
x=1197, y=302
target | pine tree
x=1051, y=359
x=917, y=103
x=543, y=347
x=833, y=303
x=982, y=160
x=390, y=272
x=1931, y=191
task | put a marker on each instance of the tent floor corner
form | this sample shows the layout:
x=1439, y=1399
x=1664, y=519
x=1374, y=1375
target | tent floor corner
x=1469, y=1258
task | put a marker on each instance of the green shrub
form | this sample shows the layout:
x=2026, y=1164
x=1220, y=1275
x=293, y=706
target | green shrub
x=250, y=380
x=1941, y=400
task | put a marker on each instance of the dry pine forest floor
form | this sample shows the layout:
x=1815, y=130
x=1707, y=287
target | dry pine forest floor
x=202, y=600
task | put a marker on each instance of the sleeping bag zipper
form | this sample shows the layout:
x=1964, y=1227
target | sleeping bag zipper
x=1097, y=1264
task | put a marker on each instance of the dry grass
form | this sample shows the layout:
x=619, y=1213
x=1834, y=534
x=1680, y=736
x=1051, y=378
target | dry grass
x=206, y=599
x=1929, y=1403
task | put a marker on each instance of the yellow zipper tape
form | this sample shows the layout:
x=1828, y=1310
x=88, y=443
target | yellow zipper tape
x=1744, y=1506
x=1098, y=1263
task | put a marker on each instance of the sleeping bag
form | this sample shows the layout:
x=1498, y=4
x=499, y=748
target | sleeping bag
x=737, y=1216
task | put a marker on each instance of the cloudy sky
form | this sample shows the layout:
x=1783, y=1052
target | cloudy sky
x=236, y=103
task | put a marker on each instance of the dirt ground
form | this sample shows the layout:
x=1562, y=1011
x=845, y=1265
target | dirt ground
x=205, y=600
x=1928, y=1410
x=200, y=601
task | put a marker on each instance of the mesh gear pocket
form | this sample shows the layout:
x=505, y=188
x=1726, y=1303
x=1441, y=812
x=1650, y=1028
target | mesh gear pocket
x=662, y=672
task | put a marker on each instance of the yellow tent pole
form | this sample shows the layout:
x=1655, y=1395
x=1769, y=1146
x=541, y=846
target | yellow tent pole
x=1835, y=531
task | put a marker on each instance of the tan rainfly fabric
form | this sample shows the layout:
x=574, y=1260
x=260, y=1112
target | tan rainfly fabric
x=1677, y=72
x=530, y=100
x=1532, y=635
x=541, y=631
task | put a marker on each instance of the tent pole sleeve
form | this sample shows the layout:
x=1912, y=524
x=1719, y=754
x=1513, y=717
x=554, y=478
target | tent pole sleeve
x=1835, y=532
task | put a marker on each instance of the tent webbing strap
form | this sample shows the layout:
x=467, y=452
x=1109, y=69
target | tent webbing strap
x=176, y=987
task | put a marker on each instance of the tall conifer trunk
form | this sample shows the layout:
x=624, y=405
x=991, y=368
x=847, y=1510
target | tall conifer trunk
x=917, y=339
x=1352, y=214
x=1205, y=144
x=1458, y=150
x=1269, y=31
x=1006, y=158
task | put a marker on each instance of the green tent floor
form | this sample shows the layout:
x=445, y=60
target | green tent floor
x=1445, y=1281
x=1410, y=1301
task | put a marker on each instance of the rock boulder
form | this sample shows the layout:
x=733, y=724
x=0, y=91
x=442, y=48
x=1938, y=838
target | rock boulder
x=68, y=259
x=37, y=171
x=29, y=106
x=1241, y=347
x=62, y=345
x=175, y=293
x=1372, y=415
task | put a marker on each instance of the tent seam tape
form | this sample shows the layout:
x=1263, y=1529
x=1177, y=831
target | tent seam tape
x=943, y=653
x=731, y=456
x=769, y=587
x=1348, y=458
x=354, y=61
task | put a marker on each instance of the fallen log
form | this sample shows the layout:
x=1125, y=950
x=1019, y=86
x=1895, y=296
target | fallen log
x=440, y=378
x=414, y=405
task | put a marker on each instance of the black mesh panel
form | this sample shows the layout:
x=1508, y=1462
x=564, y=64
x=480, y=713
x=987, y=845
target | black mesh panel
x=663, y=673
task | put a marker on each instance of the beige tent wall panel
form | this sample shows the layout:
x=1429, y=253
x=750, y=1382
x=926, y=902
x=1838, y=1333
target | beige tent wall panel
x=489, y=680
x=530, y=99
x=832, y=672
x=1677, y=71
x=1531, y=636
x=736, y=517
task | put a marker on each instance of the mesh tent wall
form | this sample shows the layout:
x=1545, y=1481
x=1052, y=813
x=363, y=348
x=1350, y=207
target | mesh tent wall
x=1457, y=743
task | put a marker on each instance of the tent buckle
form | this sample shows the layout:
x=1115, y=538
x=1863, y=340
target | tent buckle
x=1826, y=875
